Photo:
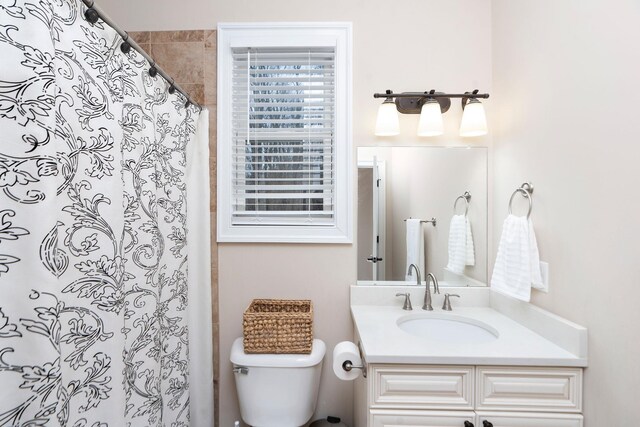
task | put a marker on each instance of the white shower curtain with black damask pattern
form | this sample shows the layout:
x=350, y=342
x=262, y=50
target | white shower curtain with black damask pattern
x=94, y=285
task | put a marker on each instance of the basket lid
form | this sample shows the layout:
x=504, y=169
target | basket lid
x=238, y=357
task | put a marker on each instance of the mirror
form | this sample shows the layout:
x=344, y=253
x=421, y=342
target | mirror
x=399, y=183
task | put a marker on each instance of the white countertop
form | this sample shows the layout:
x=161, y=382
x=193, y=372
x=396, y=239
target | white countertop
x=384, y=342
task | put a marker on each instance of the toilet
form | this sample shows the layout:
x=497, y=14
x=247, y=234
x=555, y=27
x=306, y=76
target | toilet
x=277, y=390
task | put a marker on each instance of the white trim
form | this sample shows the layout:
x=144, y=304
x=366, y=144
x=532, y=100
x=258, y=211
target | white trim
x=382, y=212
x=336, y=34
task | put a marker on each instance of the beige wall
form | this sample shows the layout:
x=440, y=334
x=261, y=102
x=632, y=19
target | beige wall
x=564, y=73
x=394, y=48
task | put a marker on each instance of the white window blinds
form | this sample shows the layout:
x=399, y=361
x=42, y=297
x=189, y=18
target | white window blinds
x=283, y=136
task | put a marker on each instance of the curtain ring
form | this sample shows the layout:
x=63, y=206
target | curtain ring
x=125, y=47
x=153, y=71
x=91, y=15
x=172, y=87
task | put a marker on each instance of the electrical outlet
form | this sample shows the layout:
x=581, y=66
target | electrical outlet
x=544, y=272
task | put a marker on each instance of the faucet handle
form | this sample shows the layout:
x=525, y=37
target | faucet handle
x=407, y=300
x=447, y=302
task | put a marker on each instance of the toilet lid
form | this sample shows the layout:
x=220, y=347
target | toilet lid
x=238, y=357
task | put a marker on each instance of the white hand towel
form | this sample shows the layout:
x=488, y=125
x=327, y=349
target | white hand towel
x=517, y=266
x=461, y=249
x=415, y=248
x=470, y=248
x=457, y=249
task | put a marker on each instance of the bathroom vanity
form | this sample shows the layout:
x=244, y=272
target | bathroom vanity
x=491, y=361
x=462, y=395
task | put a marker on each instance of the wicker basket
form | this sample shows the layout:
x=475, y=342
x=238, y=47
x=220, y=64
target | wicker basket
x=278, y=326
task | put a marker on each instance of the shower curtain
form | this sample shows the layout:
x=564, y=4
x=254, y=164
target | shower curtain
x=95, y=281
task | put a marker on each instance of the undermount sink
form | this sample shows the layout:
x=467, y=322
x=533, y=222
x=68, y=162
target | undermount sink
x=447, y=328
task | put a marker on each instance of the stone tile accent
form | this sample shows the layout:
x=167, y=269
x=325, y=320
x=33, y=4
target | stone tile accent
x=210, y=75
x=210, y=39
x=195, y=91
x=177, y=36
x=145, y=46
x=183, y=61
x=141, y=37
x=213, y=129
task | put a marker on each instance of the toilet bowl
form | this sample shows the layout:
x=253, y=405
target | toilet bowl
x=277, y=390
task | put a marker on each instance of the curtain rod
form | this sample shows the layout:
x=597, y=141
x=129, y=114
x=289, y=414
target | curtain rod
x=125, y=37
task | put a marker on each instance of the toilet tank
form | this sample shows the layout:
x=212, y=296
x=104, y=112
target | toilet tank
x=277, y=390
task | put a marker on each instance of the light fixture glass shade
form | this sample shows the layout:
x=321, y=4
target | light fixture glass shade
x=474, y=120
x=430, y=119
x=387, y=123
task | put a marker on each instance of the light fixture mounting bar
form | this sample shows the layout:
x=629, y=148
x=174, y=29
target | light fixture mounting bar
x=430, y=95
x=412, y=102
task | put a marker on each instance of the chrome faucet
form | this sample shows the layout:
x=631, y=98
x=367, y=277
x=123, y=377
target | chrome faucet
x=427, y=292
x=415, y=267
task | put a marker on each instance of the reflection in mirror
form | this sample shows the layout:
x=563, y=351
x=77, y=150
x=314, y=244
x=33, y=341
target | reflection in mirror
x=400, y=183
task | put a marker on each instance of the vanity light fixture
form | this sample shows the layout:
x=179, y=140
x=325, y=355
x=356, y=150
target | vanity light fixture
x=387, y=123
x=430, y=119
x=474, y=122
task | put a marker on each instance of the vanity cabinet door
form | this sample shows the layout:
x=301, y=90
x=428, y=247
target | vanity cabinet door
x=412, y=418
x=527, y=419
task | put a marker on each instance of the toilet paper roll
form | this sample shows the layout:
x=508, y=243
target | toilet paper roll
x=342, y=352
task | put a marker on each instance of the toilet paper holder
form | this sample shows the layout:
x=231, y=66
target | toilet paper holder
x=348, y=365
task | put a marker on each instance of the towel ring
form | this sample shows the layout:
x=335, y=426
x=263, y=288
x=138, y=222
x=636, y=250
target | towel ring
x=466, y=197
x=525, y=189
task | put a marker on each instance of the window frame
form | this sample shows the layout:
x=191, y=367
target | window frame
x=325, y=34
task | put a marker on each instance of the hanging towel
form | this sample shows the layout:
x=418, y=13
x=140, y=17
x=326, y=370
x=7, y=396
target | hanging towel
x=415, y=248
x=517, y=266
x=461, y=250
x=470, y=248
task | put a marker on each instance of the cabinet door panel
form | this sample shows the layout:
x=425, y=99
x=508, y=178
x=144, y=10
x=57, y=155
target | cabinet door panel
x=528, y=419
x=412, y=418
x=529, y=389
x=422, y=387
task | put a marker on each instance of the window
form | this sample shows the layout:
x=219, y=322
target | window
x=284, y=143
